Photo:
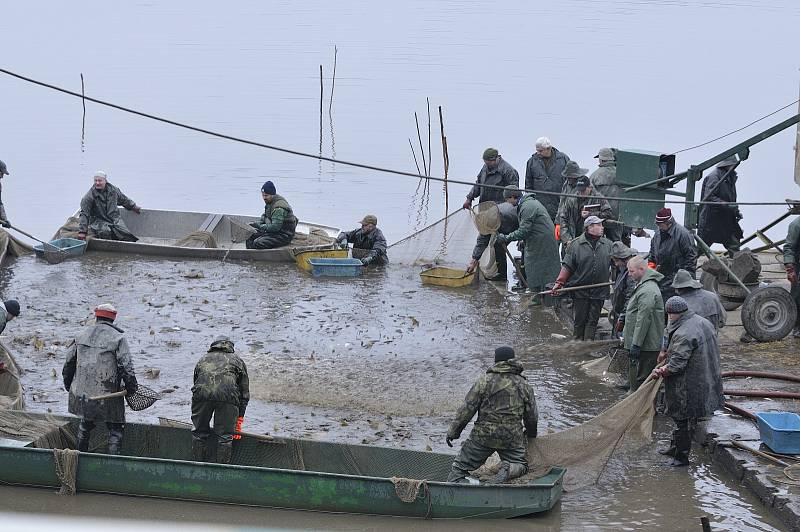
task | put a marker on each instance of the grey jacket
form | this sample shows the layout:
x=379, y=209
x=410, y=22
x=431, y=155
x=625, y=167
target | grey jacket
x=671, y=251
x=501, y=175
x=509, y=222
x=545, y=175
x=373, y=244
x=99, y=208
x=604, y=181
x=97, y=363
x=707, y=305
x=693, y=384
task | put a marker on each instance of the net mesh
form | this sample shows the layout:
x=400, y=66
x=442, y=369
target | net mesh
x=197, y=239
x=143, y=398
x=486, y=217
x=448, y=242
x=66, y=469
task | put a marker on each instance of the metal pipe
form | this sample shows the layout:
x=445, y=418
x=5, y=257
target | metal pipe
x=756, y=452
x=761, y=374
x=681, y=176
x=573, y=288
x=739, y=410
x=765, y=247
x=762, y=393
x=710, y=255
x=768, y=226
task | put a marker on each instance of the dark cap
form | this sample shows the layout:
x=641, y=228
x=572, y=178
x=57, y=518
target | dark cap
x=3, y=169
x=490, y=154
x=268, y=188
x=582, y=182
x=12, y=307
x=503, y=353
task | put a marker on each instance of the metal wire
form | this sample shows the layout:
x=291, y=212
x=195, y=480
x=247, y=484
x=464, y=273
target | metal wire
x=357, y=164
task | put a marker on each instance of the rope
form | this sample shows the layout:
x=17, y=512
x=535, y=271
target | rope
x=364, y=166
x=736, y=130
x=407, y=490
x=66, y=461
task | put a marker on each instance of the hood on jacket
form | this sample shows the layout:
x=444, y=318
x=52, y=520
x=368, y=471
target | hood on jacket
x=673, y=325
x=651, y=275
x=507, y=366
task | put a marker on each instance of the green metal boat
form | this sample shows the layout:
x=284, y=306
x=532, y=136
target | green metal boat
x=282, y=473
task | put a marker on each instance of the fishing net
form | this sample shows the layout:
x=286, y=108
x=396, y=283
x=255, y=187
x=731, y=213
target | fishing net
x=143, y=398
x=10, y=246
x=448, y=241
x=486, y=217
x=66, y=469
x=197, y=239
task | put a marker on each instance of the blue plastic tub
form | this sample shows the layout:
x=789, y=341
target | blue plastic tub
x=335, y=267
x=780, y=431
x=72, y=246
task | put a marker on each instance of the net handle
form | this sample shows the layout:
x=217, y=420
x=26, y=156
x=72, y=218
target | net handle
x=122, y=393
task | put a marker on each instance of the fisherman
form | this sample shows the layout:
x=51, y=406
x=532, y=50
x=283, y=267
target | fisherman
x=544, y=172
x=643, y=322
x=100, y=213
x=586, y=262
x=720, y=223
x=495, y=171
x=576, y=209
x=507, y=416
x=536, y=230
x=703, y=302
x=277, y=224
x=3, y=217
x=624, y=285
x=791, y=263
x=9, y=311
x=671, y=249
x=98, y=362
x=368, y=240
x=509, y=222
x=604, y=181
x=221, y=389
x=571, y=174
x=692, y=379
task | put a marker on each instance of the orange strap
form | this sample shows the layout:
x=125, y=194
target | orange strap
x=558, y=231
x=651, y=265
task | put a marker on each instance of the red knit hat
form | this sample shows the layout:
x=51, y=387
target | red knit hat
x=106, y=310
x=663, y=215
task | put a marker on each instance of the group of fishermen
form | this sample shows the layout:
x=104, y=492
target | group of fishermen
x=100, y=218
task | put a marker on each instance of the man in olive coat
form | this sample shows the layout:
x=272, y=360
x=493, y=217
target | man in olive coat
x=692, y=378
x=572, y=172
x=495, y=171
x=99, y=216
x=791, y=263
x=544, y=172
x=643, y=325
x=277, y=224
x=541, y=249
x=586, y=262
x=507, y=417
x=221, y=389
x=98, y=363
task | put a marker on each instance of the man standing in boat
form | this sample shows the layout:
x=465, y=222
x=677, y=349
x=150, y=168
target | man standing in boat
x=98, y=362
x=100, y=213
x=495, y=171
x=507, y=416
x=3, y=218
x=277, y=224
x=221, y=389
x=368, y=242
x=545, y=172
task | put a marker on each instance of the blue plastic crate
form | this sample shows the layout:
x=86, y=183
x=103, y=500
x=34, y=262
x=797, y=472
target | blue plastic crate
x=780, y=431
x=336, y=267
x=71, y=246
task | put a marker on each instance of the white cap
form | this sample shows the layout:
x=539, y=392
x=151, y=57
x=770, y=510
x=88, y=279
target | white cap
x=100, y=173
x=543, y=143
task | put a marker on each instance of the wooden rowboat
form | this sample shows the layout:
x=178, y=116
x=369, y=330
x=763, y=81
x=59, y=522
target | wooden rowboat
x=202, y=235
x=279, y=473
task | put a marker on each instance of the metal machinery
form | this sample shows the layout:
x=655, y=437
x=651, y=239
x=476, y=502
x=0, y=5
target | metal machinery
x=768, y=313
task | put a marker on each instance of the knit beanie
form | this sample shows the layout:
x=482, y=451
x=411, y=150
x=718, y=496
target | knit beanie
x=503, y=353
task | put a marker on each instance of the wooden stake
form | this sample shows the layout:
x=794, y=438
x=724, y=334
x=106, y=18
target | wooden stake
x=421, y=149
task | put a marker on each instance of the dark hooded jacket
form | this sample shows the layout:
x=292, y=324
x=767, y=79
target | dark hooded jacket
x=501, y=175
x=671, y=251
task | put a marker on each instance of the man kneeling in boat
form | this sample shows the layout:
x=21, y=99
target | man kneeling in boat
x=222, y=389
x=100, y=213
x=507, y=416
x=277, y=224
x=369, y=244
x=98, y=361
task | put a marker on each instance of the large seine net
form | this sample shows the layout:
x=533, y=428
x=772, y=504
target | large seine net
x=447, y=242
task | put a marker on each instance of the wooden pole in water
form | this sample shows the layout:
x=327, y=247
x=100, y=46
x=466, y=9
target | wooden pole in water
x=333, y=78
x=321, y=90
x=446, y=159
x=83, y=121
x=430, y=153
x=415, y=158
x=421, y=149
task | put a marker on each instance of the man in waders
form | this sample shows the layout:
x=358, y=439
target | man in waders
x=507, y=417
x=509, y=222
x=643, y=324
x=368, y=242
x=221, y=389
x=98, y=363
x=100, y=216
x=277, y=224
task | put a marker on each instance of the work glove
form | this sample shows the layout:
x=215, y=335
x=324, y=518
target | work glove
x=81, y=236
x=449, y=441
x=255, y=225
x=238, y=428
x=791, y=273
x=366, y=261
x=620, y=324
x=635, y=352
x=131, y=386
x=137, y=209
x=739, y=215
x=563, y=277
x=467, y=205
x=5, y=223
x=501, y=239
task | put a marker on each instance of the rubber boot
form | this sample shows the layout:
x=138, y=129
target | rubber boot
x=516, y=470
x=669, y=451
x=502, y=475
x=114, y=441
x=83, y=437
x=588, y=333
x=683, y=444
x=224, y=452
x=198, y=450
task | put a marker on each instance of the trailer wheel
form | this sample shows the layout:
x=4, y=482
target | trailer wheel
x=769, y=313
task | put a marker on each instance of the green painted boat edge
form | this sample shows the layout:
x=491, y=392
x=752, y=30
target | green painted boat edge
x=279, y=488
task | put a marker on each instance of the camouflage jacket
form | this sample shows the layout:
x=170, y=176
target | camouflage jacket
x=604, y=181
x=278, y=216
x=569, y=215
x=505, y=404
x=102, y=206
x=374, y=243
x=221, y=376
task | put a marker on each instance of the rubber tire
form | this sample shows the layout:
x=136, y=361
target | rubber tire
x=769, y=313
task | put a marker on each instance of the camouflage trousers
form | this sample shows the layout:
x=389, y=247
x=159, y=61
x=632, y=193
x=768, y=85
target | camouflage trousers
x=225, y=415
x=473, y=455
x=269, y=240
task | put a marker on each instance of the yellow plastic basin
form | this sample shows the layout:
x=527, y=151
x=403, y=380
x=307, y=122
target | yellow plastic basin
x=447, y=277
x=302, y=258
